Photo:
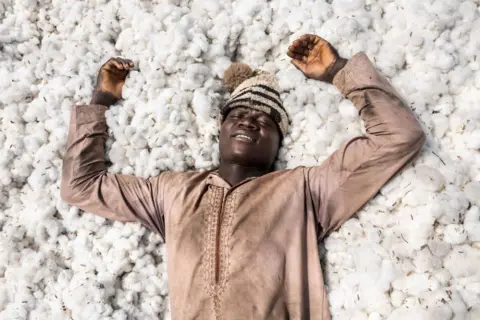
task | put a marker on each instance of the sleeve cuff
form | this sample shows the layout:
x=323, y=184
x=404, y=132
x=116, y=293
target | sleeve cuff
x=359, y=71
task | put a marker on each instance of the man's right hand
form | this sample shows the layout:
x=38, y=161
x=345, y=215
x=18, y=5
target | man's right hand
x=110, y=81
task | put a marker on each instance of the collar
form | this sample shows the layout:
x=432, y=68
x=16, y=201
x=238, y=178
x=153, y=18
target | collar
x=214, y=179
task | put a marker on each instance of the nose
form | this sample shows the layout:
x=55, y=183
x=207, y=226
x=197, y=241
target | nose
x=248, y=122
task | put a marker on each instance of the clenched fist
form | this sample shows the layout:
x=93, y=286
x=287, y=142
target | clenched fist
x=316, y=58
x=110, y=81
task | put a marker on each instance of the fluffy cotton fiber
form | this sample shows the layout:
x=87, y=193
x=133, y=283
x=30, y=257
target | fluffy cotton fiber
x=412, y=253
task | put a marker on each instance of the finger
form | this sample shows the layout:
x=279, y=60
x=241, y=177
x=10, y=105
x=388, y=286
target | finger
x=113, y=65
x=296, y=46
x=304, y=52
x=125, y=65
x=296, y=56
x=120, y=63
x=299, y=48
x=130, y=63
x=297, y=52
x=299, y=44
x=311, y=38
x=299, y=65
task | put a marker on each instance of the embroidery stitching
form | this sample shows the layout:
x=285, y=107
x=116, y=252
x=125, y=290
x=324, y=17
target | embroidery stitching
x=211, y=220
x=225, y=239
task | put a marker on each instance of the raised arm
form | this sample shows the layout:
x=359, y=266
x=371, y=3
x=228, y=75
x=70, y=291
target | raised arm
x=85, y=181
x=353, y=174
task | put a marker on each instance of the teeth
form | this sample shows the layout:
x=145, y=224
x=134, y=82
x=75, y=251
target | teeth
x=243, y=136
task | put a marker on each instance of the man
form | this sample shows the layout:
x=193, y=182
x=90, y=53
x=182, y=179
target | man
x=242, y=240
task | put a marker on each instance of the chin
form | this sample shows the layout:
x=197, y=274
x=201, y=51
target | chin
x=246, y=149
x=243, y=159
x=245, y=154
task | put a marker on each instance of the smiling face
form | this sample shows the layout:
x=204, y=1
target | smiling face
x=249, y=138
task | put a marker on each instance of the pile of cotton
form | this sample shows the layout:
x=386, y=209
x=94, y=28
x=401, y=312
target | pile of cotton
x=413, y=252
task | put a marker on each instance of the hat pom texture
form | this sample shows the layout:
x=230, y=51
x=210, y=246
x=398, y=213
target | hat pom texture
x=236, y=74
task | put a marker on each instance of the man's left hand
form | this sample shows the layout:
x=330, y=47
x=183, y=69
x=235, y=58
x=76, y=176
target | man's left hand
x=316, y=58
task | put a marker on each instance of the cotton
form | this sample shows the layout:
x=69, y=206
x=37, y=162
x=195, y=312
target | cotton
x=57, y=262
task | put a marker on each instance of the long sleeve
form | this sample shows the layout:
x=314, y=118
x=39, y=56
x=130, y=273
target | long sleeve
x=353, y=174
x=87, y=184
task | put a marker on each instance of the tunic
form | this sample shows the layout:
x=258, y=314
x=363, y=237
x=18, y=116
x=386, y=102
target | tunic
x=249, y=251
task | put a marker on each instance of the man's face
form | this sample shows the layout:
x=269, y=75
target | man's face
x=249, y=138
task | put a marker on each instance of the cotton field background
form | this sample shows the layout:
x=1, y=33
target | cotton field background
x=412, y=253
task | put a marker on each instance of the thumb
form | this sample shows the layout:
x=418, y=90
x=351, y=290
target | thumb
x=300, y=65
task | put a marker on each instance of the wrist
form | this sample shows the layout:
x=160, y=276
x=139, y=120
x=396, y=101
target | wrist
x=338, y=65
x=103, y=98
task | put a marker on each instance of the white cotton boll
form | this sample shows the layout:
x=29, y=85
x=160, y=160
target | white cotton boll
x=420, y=195
x=412, y=313
x=472, y=224
x=477, y=80
x=473, y=314
x=390, y=59
x=417, y=231
x=347, y=110
x=454, y=204
x=456, y=303
x=472, y=191
x=352, y=230
x=386, y=276
x=425, y=261
x=373, y=235
x=119, y=315
x=195, y=76
x=439, y=248
x=441, y=59
x=360, y=315
x=470, y=299
x=439, y=311
x=463, y=261
x=347, y=5
x=296, y=18
x=415, y=284
x=440, y=122
x=457, y=78
x=336, y=298
x=457, y=124
x=201, y=105
x=473, y=287
x=374, y=299
x=374, y=316
x=349, y=29
x=430, y=178
x=443, y=276
x=246, y=10
x=473, y=140
x=289, y=78
x=455, y=234
x=335, y=243
x=397, y=297
x=445, y=106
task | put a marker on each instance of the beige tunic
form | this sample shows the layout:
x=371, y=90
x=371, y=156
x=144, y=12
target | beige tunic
x=249, y=251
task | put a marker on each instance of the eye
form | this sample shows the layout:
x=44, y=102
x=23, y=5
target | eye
x=265, y=121
x=235, y=114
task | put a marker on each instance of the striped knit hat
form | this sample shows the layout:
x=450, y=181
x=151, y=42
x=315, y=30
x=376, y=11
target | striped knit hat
x=258, y=90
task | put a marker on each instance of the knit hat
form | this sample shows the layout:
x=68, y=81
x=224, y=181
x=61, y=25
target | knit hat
x=257, y=90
